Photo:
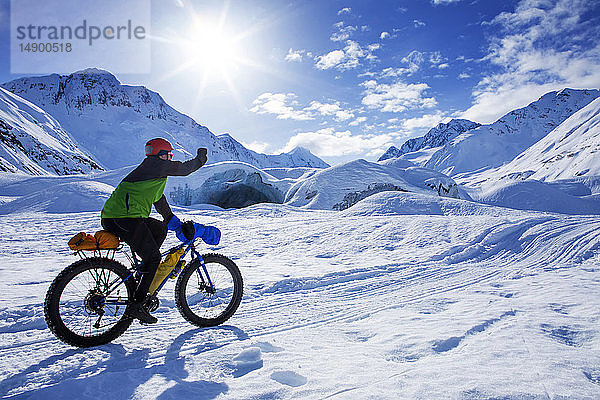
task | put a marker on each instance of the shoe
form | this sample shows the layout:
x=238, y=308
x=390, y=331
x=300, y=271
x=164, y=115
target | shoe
x=138, y=311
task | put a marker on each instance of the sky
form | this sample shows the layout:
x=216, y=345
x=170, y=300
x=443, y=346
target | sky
x=348, y=78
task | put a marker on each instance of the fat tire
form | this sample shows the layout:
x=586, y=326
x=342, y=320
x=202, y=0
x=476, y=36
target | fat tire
x=52, y=301
x=180, y=295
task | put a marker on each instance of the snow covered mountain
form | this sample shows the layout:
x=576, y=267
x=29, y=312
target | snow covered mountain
x=298, y=157
x=112, y=121
x=33, y=142
x=437, y=136
x=493, y=145
x=569, y=151
x=566, y=152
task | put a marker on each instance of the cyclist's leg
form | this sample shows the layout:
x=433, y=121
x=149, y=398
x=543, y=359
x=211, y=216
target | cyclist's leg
x=158, y=229
x=136, y=232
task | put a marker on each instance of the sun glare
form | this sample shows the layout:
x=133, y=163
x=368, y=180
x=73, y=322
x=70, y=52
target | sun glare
x=210, y=47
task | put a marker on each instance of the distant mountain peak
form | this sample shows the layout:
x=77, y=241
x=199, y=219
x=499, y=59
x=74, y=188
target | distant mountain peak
x=437, y=136
x=490, y=146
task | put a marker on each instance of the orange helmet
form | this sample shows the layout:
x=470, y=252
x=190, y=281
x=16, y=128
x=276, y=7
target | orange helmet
x=157, y=147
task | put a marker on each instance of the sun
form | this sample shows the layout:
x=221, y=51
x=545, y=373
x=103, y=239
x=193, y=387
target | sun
x=211, y=48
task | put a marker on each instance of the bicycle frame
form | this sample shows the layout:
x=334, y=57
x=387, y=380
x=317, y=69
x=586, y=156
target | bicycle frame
x=135, y=263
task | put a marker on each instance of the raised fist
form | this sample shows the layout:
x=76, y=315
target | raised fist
x=201, y=155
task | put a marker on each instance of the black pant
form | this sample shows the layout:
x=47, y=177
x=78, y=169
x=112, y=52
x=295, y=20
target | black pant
x=144, y=236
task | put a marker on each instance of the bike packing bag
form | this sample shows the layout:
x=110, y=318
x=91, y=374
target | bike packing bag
x=83, y=241
x=102, y=240
x=106, y=240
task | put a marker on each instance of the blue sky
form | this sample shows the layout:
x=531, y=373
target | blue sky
x=346, y=78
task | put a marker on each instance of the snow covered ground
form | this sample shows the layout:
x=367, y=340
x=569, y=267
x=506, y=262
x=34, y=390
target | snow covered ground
x=400, y=296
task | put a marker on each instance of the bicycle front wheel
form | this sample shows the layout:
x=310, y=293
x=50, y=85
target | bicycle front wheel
x=209, y=294
x=85, y=305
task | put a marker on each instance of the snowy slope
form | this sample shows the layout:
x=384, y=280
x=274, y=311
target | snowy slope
x=33, y=142
x=113, y=121
x=492, y=145
x=531, y=194
x=569, y=151
x=474, y=303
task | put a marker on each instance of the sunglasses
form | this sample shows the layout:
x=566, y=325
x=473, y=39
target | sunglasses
x=169, y=154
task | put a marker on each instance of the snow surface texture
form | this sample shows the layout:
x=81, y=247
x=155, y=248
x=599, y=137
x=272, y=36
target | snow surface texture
x=382, y=300
x=33, y=142
x=105, y=117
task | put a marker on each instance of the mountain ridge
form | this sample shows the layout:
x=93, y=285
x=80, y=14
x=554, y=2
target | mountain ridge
x=492, y=145
x=105, y=117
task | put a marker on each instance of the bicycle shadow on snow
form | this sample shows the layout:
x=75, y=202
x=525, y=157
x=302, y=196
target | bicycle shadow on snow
x=120, y=375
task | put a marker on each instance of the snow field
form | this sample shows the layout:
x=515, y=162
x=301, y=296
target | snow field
x=493, y=303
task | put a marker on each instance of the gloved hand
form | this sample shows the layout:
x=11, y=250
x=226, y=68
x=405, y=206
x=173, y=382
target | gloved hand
x=190, y=230
x=176, y=226
x=201, y=155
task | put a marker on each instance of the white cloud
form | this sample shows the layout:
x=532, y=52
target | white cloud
x=259, y=147
x=396, y=97
x=358, y=121
x=343, y=33
x=544, y=46
x=323, y=108
x=436, y=58
x=384, y=35
x=343, y=115
x=294, y=55
x=464, y=75
x=330, y=109
x=348, y=58
x=418, y=24
x=444, y=66
x=280, y=104
x=425, y=121
x=413, y=60
x=285, y=106
x=444, y=2
x=327, y=142
x=330, y=60
x=345, y=10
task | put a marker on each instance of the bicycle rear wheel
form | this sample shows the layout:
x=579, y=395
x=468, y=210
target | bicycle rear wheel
x=86, y=302
x=209, y=296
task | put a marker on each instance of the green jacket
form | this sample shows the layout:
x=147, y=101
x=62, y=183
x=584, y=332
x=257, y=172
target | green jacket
x=144, y=187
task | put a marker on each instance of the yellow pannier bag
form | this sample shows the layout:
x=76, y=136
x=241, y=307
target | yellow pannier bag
x=102, y=240
x=165, y=268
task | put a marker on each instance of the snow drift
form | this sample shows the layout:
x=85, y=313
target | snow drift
x=343, y=185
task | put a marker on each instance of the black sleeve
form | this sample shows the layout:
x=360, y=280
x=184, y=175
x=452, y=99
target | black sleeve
x=162, y=207
x=178, y=168
x=153, y=168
